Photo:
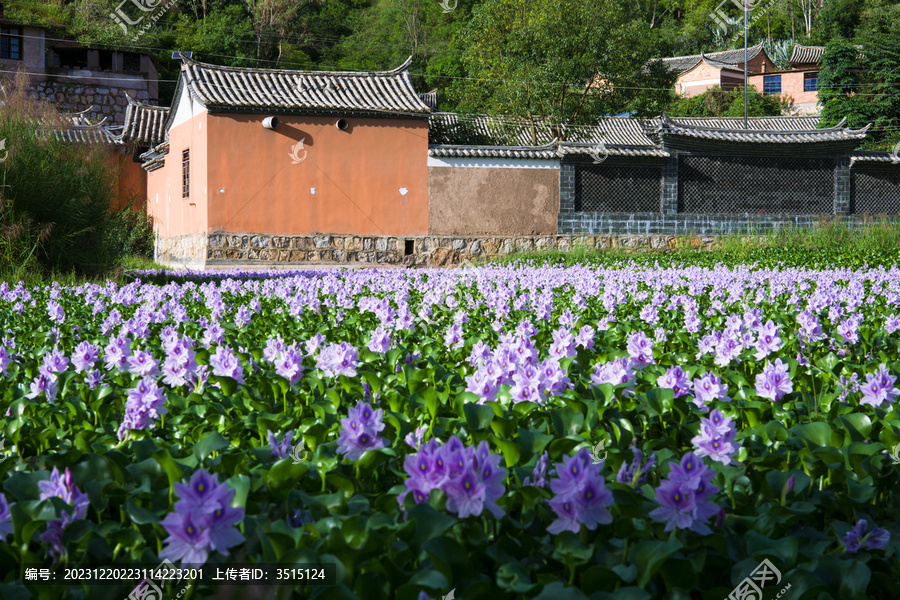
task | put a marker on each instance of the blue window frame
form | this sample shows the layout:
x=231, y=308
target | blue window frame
x=772, y=84
x=11, y=43
x=810, y=82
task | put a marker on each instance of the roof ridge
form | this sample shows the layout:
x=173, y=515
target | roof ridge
x=186, y=60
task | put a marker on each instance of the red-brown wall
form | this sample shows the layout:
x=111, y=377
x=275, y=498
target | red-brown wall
x=254, y=185
x=172, y=214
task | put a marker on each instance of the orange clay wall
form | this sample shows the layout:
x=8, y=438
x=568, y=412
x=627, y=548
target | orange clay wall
x=172, y=214
x=371, y=179
x=132, y=183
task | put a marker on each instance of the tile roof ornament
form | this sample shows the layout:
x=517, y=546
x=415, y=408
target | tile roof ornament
x=144, y=123
x=669, y=127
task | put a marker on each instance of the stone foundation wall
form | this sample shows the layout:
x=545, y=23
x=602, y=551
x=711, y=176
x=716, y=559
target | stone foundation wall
x=223, y=249
x=104, y=101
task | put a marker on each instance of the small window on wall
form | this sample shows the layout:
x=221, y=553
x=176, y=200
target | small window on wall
x=185, y=173
x=11, y=43
x=772, y=84
x=810, y=82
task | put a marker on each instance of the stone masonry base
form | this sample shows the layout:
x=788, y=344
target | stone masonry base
x=222, y=249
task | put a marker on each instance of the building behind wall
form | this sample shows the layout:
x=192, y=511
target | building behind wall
x=254, y=158
x=77, y=79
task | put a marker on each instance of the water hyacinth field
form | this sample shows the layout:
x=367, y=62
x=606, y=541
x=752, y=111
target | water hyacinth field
x=626, y=432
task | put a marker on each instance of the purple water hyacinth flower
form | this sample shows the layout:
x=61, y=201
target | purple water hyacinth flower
x=526, y=390
x=62, y=487
x=338, y=359
x=186, y=541
x=891, y=323
x=225, y=363
x=538, y=477
x=879, y=387
x=214, y=334
x=810, y=328
x=380, y=340
x=6, y=526
x=359, y=431
x=676, y=379
x=552, y=377
x=767, y=340
x=585, y=337
x=684, y=496
x=709, y=388
x=563, y=345
x=640, y=350
x=5, y=360
x=242, y=317
x=414, y=439
x=580, y=497
x=274, y=347
x=453, y=339
x=855, y=541
x=144, y=405
x=93, y=378
x=55, y=362
x=635, y=473
x=56, y=312
x=117, y=352
x=281, y=449
x=143, y=364
x=616, y=372
x=717, y=438
x=44, y=384
x=84, y=357
x=175, y=373
x=313, y=344
x=774, y=382
x=481, y=354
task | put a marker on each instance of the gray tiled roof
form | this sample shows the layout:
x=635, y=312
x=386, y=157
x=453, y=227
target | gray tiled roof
x=430, y=98
x=575, y=148
x=806, y=54
x=730, y=57
x=492, y=130
x=875, y=156
x=144, y=123
x=754, y=123
x=445, y=151
x=88, y=134
x=276, y=90
x=668, y=126
x=720, y=64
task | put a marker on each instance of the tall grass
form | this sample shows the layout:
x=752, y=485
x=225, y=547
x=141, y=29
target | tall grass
x=56, y=197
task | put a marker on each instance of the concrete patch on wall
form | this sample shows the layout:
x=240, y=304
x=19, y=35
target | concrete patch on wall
x=492, y=201
x=186, y=251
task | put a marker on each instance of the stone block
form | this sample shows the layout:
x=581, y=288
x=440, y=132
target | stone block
x=380, y=244
x=268, y=254
x=338, y=256
x=259, y=241
x=490, y=246
x=475, y=247
x=281, y=241
x=284, y=255
x=507, y=246
x=338, y=242
x=253, y=254
x=368, y=244
x=321, y=241
x=298, y=256
x=458, y=245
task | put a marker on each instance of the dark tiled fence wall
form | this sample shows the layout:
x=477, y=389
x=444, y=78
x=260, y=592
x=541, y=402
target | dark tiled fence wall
x=687, y=182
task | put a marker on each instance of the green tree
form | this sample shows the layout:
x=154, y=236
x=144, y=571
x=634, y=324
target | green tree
x=716, y=102
x=559, y=61
x=840, y=81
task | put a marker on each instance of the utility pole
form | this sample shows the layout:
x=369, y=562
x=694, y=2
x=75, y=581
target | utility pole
x=746, y=4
